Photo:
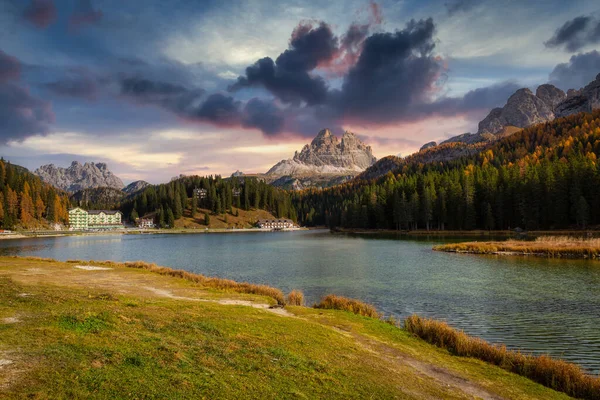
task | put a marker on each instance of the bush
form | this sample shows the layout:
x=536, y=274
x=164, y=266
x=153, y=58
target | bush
x=295, y=298
x=334, y=302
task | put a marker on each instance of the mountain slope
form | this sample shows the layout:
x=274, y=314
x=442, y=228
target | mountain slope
x=542, y=177
x=79, y=176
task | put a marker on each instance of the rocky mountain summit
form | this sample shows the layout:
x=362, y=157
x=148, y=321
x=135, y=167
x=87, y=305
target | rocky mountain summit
x=79, y=176
x=326, y=161
x=327, y=154
x=523, y=109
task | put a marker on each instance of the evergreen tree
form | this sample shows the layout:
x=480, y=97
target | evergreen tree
x=170, y=218
x=206, y=219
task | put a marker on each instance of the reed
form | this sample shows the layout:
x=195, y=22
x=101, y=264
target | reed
x=334, y=302
x=553, y=373
x=549, y=246
x=295, y=298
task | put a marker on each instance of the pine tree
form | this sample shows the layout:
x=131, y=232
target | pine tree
x=170, y=219
x=194, y=206
x=206, y=219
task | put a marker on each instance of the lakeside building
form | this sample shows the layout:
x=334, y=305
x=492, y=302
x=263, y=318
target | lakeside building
x=82, y=220
x=144, y=223
x=275, y=224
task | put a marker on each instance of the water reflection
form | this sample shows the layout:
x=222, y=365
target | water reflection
x=535, y=304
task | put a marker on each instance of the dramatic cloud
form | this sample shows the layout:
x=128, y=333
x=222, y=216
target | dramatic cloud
x=10, y=67
x=395, y=71
x=288, y=77
x=22, y=115
x=576, y=34
x=263, y=115
x=578, y=72
x=84, y=14
x=41, y=13
x=217, y=109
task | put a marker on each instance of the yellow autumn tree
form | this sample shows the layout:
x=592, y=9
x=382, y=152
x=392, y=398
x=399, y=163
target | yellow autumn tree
x=40, y=207
x=27, y=209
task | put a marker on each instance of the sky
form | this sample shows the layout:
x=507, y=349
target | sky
x=166, y=87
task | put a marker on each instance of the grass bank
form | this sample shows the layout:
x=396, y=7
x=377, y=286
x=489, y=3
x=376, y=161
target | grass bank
x=545, y=246
x=111, y=330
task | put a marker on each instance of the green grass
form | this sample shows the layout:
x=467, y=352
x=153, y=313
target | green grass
x=102, y=334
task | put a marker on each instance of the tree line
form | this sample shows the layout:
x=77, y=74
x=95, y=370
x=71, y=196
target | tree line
x=167, y=202
x=27, y=202
x=544, y=177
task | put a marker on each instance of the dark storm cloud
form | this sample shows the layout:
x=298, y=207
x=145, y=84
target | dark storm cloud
x=394, y=72
x=10, y=67
x=576, y=34
x=41, y=13
x=217, y=108
x=263, y=115
x=578, y=72
x=288, y=77
x=84, y=14
x=22, y=115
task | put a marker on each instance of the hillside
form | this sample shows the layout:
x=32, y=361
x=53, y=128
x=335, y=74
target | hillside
x=239, y=200
x=102, y=198
x=82, y=332
x=27, y=202
x=238, y=218
x=543, y=177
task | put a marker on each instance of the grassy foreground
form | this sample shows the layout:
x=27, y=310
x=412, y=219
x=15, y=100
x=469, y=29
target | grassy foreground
x=113, y=331
x=546, y=246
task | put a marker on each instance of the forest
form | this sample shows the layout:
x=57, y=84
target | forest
x=27, y=202
x=543, y=177
x=167, y=202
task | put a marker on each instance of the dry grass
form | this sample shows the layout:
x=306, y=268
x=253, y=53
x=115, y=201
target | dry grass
x=549, y=246
x=295, y=298
x=334, y=302
x=555, y=374
x=216, y=283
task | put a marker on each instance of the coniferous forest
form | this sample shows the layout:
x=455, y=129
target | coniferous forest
x=167, y=202
x=27, y=202
x=544, y=177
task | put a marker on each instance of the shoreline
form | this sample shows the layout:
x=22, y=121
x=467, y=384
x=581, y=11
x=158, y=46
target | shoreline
x=31, y=235
x=498, y=233
x=135, y=300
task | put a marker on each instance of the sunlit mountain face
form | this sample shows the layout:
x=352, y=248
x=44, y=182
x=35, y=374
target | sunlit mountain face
x=161, y=88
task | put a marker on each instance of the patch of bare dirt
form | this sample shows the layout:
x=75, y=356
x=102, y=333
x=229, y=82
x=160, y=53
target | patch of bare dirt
x=91, y=268
x=228, y=302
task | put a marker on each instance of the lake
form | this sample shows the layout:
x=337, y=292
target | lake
x=534, y=304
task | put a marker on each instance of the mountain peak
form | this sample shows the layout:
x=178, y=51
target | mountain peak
x=77, y=176
x=327, y=155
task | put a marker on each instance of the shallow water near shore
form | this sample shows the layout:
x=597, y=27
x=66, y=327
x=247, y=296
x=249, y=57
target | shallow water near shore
x=534, y=304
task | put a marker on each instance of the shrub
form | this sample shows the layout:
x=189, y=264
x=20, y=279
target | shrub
x=295, y=298
x=334, y=302
x=555, y=374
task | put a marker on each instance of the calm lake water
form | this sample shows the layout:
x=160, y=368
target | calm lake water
x=534, y=304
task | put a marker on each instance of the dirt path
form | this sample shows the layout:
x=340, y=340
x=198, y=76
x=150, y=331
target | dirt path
x=227, y=302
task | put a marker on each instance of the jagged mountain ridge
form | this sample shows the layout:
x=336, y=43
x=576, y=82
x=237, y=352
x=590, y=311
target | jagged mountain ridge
x=327, y=154
x=79, y=176
x=522, y=109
